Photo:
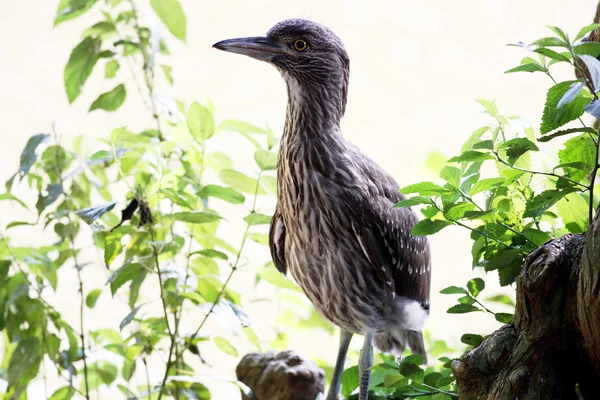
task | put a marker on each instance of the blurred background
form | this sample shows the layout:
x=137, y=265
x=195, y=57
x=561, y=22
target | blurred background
x=416, y=70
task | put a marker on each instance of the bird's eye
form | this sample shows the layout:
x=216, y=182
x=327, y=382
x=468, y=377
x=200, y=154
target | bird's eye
x=300, y=45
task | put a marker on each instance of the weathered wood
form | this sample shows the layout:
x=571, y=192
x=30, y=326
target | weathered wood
x=280, y=376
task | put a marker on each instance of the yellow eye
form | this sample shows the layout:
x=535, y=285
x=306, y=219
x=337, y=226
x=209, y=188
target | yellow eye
x=300, y=45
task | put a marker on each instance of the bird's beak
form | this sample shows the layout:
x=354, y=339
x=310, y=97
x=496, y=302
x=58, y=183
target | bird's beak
x=258, y=47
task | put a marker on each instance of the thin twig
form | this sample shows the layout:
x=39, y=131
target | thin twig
x=148, y=71
x=538, y=172
x=593, y=182
x=234, y=268
x=166, y=313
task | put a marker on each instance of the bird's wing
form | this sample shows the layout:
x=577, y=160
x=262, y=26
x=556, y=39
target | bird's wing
x=383, y=233
x=276, y=242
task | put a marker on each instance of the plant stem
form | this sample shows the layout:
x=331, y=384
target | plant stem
x=470, y=199
x=538, y=172
x=593, y=182
x=148, y=71
x=234, y=268
x=172, y=334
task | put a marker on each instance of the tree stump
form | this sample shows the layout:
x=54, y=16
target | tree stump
x=280, y=376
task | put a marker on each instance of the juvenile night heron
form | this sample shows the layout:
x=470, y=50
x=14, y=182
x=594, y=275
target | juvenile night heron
x=334, y=227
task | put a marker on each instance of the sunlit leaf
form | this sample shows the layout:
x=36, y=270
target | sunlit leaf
x=224, y=345
x=80, y=66
x=110, y=101
x=171, y=13
x=92, y=297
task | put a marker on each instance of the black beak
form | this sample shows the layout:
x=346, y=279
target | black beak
x=258, y=47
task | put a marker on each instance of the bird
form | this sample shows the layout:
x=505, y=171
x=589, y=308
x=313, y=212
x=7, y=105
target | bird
x=335, y=228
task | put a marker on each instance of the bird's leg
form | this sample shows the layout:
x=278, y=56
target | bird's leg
x=336, y=379
x=365, y=362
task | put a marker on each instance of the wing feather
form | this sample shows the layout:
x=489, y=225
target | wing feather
x=277, y=242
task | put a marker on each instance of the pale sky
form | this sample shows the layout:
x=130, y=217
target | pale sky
x=416, y=69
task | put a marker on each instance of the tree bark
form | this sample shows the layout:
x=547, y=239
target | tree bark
x=552, y=346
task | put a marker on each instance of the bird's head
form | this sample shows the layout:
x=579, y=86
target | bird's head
x=310, y=57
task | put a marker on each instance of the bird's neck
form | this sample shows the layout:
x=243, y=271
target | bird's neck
x=314, y=111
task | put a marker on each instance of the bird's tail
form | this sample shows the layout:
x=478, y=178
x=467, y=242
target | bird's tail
x=396, y=341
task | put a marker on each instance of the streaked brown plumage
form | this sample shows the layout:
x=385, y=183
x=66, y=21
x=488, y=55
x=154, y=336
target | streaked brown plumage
x=334, y=227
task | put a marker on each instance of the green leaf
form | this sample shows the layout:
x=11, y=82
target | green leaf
x=227, y=194
x=484, y=145
x=224, y=345
x=171, y=13
x=167, y=71
x=80, y=66
x=475, y=286
x=92, y=297
x=529, y=67
x=462, y=309
x=456, y=211
x=472, y=156
x=54, y=190
x=471, y=339
x=413, y=201
x=274, y=277
x=552, y=54
x=106, y=370
x=570, y=94
x=489, y=106
x=429, y=227
x=580, y=149
x=111, y=68
x=64, y=393
x=411, y=371
x=452, y=175
x=536, y=206
x=29, y=156
x=415, y=359
x=515, y=148
x=24, y=362
x=589, y=48
x=200, y=122
x=112, y=247
x=241, y=182
x=573, y=209
x=10, y=196
x=550, y=42
x=240, y=126
x=554, y=117
x=350, y=381
x=70, y=9
x=91, y=214
x=486, y=184
x=502, y=299
x=110, y=101
x=127, y=320
x=266, y=160
x=474, y=138
x=453, y=290
x=259, y=238
x=196, y=217
x=424, y=189
x=536, y=236
x=504, y=318
x=123, y=275
x=257, y=219
x=547, y=138
x=585, y=30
